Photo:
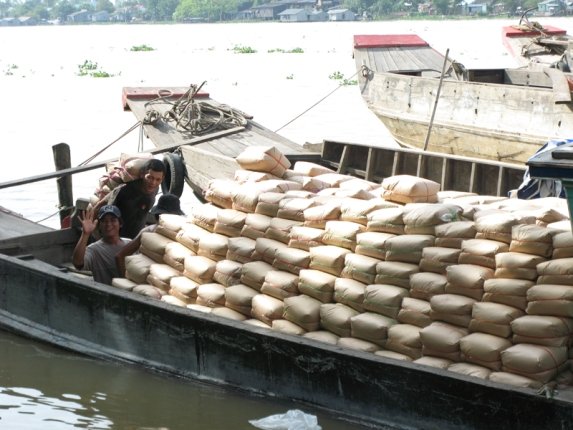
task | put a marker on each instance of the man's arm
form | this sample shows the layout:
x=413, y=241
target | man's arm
x=88, y=226
x=128, y=249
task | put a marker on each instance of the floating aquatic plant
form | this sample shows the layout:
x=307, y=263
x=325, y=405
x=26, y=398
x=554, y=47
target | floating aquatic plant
x=90, y=68
x=139, y=48
x=238, y=49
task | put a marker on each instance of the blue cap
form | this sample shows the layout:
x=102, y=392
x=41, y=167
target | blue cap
x=109, y=209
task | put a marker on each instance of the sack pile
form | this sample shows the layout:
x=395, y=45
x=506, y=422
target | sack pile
x=478, y=285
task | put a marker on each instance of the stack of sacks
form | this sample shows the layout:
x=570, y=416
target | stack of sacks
x=451, y=235
x=255, y=226
x=220, y=192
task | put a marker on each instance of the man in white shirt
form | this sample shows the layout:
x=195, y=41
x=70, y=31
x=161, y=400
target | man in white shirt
x=99, y=257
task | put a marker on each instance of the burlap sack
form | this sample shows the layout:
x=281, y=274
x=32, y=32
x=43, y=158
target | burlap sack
x=291, y=259
x=220, y=192
x=328, y=259
x=211, y=295
x=452, y=308
x=496, y=227
x=183, y=288
x=562, y=245
x=194, y=307
x=360, y=268
x=170, y=224
x=268, y=203
x=467, y=280
x=205, y=216
x=172, y=300
x=484, y=349
x=175, y=254
x=253, y=274
x=312, y=184
x=407, y=248
x=357, y=344
x=393, y=355
x=350, y=293
x=531, y=239
x=241, y=176
x=333, y=179
x=410, y=189
x=405, y=339
x=263, y=159
x=213, y=246
x=160, y=275
x=199, y=269
x=395, y=273
x=511, y=292
x=137, y=267
x=306, y=168
x=371, y=327
x=423, y=219
x=342, y=233
x=415, y=312
x=425, y=285
x=559, y=267
x=514, y=380
x=442, y=340
x=318, y=215
x=335, y=317
x=436, y=259
x=451, y=235
x=266, y=249
x=156, y=257
x=317, y=284
x=387, y=220
x=372, y=244
x=493, y=318
x=279, y=229
x=481, y=252
x=437, y=362
x=540, y=363
x=155, y=242
x=542, y=330
x=468, y=369
x=287, y=327
x=305, y=237
x=239, y=298
x=356, y=210
x=240, y=249
x=148, y=291
x=294, y=208
x=255, y=226
x=384, y=299
x=190, y=235
x=230, y=222
x=551, y=300
x=228, y=272
x=322, y=336
x=517, y=265
x=280, y=284
x=300, y=194
x=266, y=308
x=228, y=313
x=303, y=311
x=123, y=284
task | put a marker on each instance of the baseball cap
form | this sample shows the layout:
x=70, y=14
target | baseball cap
x=167, y=204
x=109, y=209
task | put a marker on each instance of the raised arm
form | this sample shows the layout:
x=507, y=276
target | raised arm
x=89, y=224
x=128, y=249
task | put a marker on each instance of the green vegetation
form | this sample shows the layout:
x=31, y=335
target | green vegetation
x=339, y=76
x=138, y=48
x=89, y=68
x=238, y=49
x=10, y=69
x=289, y=51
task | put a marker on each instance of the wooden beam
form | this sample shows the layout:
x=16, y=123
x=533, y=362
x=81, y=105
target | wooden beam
x=561, y=91
x=344, y=159
x=370, y=164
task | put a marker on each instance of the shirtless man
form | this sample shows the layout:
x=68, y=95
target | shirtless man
x=99, y=257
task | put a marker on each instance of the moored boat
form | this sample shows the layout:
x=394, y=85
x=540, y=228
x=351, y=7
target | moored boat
x=42, y=298
x=429, y=101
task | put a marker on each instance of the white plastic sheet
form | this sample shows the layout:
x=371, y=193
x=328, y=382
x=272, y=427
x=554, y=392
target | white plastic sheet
x=292, y=420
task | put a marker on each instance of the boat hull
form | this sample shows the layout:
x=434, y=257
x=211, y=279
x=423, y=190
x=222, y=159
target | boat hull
x=39, y=301
x=491, y=121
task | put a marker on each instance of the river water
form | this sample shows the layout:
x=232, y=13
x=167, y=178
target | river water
x=44, y=102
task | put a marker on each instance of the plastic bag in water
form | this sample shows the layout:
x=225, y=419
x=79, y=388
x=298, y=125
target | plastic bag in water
x=292, y=420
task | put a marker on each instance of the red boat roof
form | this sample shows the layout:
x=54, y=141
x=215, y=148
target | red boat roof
x=387, y=40
x=548, y=30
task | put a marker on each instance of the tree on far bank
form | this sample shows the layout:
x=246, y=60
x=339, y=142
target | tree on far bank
x=212, y=10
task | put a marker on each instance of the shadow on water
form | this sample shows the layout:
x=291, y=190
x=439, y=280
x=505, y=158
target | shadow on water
x=46, y=388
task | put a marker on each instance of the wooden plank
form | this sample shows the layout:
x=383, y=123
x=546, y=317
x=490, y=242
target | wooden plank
x=499, y=180
x=443, y=175
x=527, y=78
x=370, y=164
x=344, y=159
x=561, y=91
x=472, y=178
x=395, y=163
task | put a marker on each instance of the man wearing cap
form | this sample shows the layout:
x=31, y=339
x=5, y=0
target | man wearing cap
x=99, y=257
x=167, y=204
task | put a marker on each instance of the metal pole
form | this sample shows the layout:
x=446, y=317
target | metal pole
x=436, y=101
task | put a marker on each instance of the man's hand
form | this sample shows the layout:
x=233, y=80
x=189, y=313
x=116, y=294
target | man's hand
x=89, y=223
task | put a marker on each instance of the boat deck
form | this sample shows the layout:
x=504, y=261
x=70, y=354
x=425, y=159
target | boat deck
x=14, y=225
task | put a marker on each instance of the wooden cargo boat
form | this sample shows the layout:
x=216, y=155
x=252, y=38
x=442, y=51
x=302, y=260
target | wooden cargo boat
x=41, y=298
x=430, y=101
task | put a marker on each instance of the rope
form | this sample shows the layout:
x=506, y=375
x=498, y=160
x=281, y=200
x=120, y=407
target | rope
x=133, y=127
x=313, y=106
x=194, y=116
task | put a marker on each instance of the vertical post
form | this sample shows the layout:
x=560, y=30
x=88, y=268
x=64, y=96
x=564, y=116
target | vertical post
x=436, y=100
x=62, y=160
